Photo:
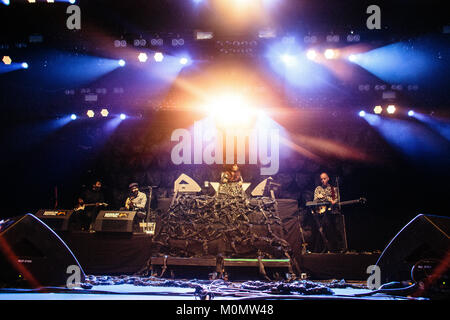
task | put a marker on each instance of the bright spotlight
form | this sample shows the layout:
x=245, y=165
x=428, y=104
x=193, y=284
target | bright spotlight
x=158, y=57
x=362, y=113
x=90, y=113
x=73, y=116
x=410, y=113
x=142, y=57
x=352, y=58
x=231, y=103
x=330, y=54
x=121, y=62
x=7, y=60
x=184, y=61
x=378, y=109
x=72, y=1
x=5, y=2
x=288, y=59
x=104, y=112
x=24, y=65
x=311, y=54
x=391, y=109
x=122, y=116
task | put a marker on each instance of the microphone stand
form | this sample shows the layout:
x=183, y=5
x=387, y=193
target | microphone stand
x=150, y=191
x=338, y=193
x=146, y=224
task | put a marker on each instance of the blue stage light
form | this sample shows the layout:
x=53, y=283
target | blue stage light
x=362, y=113
x=123, y=116
x=410, y=113
x=184, y=60
x=311, y=54
x=73, y=116
x=5, y=2
x=352, y=58
x=158, y=56
x=121, y=62
x=288, y=59
x=24, y=65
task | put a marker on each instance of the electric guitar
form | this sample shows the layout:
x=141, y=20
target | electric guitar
x=322, y=207
x=84, y=205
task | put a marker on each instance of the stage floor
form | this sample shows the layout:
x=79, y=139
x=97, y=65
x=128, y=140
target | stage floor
x=132, y=292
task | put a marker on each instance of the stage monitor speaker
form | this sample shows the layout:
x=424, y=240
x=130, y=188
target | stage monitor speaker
x=33, y=255
x=114, y=221
x=58, y=220
x=426, y=237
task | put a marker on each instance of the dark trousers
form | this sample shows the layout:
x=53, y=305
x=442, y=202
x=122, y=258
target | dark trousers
x=330, y=233
x=84, y=219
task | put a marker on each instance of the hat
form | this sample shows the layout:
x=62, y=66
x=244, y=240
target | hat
x=132, y=185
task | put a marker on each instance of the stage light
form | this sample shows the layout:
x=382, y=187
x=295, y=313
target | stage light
x=203, y=35
x=142, y=57
x=72, y=1
x=410, y=113
x=104, y=112
x=288, y=59
x=184, y=60
x=378, y=109
x=330, y=54
x=5, y=2
x=121, y=62
x=122, y=116
x=267, y=34
x=50, y=1
x=158, y=57
x=311, y=54
x=6, y=60
x=31, y=1
x=391, y=109
x=24, y=65
x=90, y=113
x=352, y=58
x=231, y=103
x=362, y=113
x=73, y=116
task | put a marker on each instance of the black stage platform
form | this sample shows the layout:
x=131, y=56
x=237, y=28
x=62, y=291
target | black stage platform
x=105, y=253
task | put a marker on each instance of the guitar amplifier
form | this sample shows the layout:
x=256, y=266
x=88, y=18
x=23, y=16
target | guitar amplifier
x=57, y=220
x=114, y=221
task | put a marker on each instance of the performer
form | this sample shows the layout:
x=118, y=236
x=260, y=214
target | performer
x=89, y=205
x=231, y=182
x=137, y=200
x=329, y=221
x=232, y=175
x=326, y=192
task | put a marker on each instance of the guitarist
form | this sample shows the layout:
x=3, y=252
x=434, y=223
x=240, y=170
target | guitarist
x=326, y=192
x=330, y=232
x=88, y=206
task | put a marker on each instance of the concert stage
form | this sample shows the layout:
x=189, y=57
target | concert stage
x=117, y=254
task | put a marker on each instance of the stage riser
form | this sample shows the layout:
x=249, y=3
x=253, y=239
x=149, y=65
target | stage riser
x=102, y=254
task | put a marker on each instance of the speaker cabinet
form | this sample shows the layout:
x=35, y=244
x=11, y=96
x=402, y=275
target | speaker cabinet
x=426, y=237
x=114, y=221
x=58, y=220
x=31, y=251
